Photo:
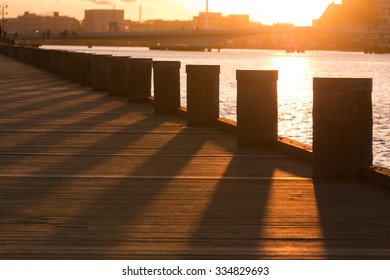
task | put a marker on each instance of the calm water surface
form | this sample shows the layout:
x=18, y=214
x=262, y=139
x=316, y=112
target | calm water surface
x=296, y=72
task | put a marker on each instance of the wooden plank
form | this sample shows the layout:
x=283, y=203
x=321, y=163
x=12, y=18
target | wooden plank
x=86, y=176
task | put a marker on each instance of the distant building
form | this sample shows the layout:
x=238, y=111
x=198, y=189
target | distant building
x=208, y=21
x=361, y=12
x=355, y=14
x=104, y=20
x=204, y=21
x=158, y=25
x=32, y=23
x=238, y=22
x=215, y=21
x=331, y=18
x=367, y=14
x=384, y=22
x=384, y=14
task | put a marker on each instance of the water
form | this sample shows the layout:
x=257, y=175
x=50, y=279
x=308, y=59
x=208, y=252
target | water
x=296, y=72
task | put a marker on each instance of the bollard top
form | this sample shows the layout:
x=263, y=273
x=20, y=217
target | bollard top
x=257, y=75
x=206, y=69
x=140, y=61
x=161, y=64
x=342, y=84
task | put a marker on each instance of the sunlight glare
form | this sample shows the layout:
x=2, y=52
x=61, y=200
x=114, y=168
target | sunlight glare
x=299, y=12
x=294, y=95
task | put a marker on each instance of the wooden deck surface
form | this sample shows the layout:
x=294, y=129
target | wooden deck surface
x=87, y=176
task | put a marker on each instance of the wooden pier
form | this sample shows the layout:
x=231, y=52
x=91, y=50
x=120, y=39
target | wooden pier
x=84, y=175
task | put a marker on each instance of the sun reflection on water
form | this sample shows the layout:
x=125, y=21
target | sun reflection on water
x=294, y=96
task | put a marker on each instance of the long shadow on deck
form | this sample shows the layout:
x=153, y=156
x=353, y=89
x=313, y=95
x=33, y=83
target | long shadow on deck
x=74, y=164
x=354, y=218
x=235, y=222
x=106, y=210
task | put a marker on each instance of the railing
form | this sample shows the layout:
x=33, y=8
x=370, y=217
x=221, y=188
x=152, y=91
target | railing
x=342, y=109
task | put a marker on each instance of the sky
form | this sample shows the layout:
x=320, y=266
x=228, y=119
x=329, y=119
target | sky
x=298, y=12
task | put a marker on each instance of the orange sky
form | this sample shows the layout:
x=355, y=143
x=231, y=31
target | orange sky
x=299, y=12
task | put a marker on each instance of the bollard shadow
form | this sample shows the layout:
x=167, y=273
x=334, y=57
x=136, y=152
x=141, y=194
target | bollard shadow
x=58, y=123
x=43, y=107
x=37, y=101
x=237, y=220
x=230, y=226
x=354, y=219
x=25, y=76
x=111, y=214
x=82, y=157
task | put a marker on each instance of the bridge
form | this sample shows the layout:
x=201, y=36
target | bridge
x=152, y=38
x=195, y=38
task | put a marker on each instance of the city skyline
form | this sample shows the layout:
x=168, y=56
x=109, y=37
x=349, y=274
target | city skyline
x=298, y=12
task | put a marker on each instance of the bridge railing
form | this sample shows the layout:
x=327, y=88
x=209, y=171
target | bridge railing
x=342, y=108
